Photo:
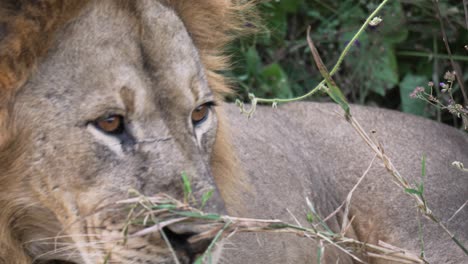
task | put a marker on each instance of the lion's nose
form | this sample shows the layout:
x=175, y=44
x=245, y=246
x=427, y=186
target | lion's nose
x=191, y=240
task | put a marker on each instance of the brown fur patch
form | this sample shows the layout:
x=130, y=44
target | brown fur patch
x=128, y=97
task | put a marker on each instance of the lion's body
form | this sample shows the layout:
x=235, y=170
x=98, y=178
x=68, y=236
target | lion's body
x=308, y=150
x=65, y=66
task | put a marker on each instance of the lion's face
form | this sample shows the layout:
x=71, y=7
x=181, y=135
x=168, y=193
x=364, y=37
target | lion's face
x=121, y=102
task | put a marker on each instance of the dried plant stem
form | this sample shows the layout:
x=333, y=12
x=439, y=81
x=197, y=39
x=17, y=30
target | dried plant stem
x=400, y=180
x=213, y=243
x=225, y=226
x=455, y=66
x=277, y=226
x=456, y=212
x=171, y=249
x=344, y=225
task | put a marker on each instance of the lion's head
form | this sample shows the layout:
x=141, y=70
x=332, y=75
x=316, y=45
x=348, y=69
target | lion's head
x=100, y=97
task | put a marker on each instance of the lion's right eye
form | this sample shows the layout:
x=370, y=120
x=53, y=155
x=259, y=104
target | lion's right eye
x=113, y=124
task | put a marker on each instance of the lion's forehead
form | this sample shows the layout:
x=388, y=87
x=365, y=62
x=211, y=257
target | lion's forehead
x=149, y=51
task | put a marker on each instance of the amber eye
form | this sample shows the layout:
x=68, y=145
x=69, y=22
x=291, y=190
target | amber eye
x=200, y=114
x=113, y=124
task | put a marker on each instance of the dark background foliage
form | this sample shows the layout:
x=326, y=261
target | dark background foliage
x=385, y=65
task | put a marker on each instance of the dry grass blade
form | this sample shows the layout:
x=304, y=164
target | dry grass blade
x=344, y=225
x=150, y=217
x=401, y=181
x=458, y=211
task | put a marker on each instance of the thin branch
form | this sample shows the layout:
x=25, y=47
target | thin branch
x=344, y=224
x=169, y=245
x=402, y=183
x=455, y=66
x=465, y=7
x=459, y=210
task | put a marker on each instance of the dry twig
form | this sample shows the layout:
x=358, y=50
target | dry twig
x=165, y=211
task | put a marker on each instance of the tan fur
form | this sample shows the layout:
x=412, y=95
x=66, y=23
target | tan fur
x=213, y=24
x=65, y=64
x=30, y=29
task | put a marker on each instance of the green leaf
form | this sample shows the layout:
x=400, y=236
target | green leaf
x=310, y=217
x=164, y=206
x=277, y=22
x=376, y=67
x=423, y=174
x=423, y=166
x=383, y=70
x=187, y=186
x=393, y=29
x=198, y=215
x=275, y=81
x=335, y=93
x=205, y=197
x=407, y=85
x=421, y=188
x=373, y=63
x=253, y=61
x=412, y=191
x=320, y=251
x=290, y=6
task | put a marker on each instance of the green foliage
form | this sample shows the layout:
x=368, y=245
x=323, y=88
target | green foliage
x=188, y=194
x=420, y=188
x=407, y=85
x=385, y=64
x=187, y=187
x=198, y=215
x=205, y=197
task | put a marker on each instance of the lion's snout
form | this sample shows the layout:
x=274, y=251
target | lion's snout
x=186, y=241
x=143, y=226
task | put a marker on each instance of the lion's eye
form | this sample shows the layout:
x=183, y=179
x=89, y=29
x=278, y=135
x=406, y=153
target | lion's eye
x=113, y=124
x=200, y=113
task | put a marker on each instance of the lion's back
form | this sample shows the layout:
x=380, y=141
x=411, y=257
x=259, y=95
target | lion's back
x=309, y=150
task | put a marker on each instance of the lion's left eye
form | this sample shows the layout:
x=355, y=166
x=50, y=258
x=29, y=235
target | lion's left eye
x=201, y=113
x=113, y=124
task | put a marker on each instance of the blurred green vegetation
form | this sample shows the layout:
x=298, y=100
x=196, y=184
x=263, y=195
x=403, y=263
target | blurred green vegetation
x=385, y=65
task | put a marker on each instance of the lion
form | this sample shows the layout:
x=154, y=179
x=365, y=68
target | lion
x=99, y=97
